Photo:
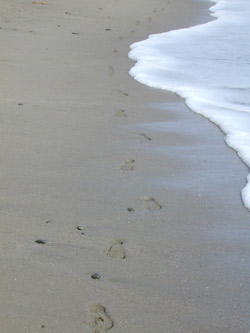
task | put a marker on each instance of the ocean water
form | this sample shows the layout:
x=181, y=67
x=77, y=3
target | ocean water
x=209, y=66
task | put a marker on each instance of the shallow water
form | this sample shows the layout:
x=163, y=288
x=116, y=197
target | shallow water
x=209, y=66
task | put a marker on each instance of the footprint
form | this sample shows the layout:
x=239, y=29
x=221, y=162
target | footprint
x=116, y=53
x=155, y=10
x=119, y=39
x=121, y=114
x=132, y=32
x=144, y=137
x=137, y=22
x=151, y=203
x=128, y=165
x=149, y=20
x=111, y=71
x=99, y=321
x=115, y=249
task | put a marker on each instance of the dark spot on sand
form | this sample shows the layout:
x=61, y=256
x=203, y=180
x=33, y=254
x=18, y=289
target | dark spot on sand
x=41, y=241
x=96, y=276
x=122, y=92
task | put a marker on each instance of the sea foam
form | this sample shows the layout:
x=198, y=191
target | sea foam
x=209, y=66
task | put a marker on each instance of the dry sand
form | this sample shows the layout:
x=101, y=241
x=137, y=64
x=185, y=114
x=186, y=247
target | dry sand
x=81, y=144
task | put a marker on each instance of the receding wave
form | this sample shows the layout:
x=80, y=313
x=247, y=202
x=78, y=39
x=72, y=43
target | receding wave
x=209, y=66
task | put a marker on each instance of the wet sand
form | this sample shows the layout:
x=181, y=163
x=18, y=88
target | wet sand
x=112, y=177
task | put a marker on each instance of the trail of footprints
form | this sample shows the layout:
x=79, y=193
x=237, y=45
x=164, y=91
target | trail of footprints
x=99, y=320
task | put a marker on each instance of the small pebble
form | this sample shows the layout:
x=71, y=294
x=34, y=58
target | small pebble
x=96, y=276
x=108, y=29
x=20, y=103
x=131, y=210
x=40, y=241
x=75, y=33
x=80, y=227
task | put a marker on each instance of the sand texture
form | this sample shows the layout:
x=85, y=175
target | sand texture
x=120, y=209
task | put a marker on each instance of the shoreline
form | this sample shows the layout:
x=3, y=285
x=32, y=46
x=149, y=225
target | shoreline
x=83, y=143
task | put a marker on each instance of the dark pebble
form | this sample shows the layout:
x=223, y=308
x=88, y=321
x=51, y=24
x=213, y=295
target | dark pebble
x=96, y=276
x=131, y=210
x=40, y=241
x=108, y=29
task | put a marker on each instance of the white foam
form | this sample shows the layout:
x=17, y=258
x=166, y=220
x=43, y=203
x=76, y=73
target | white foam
x=209, y=66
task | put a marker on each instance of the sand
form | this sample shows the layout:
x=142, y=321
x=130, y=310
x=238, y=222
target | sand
x=111, y=177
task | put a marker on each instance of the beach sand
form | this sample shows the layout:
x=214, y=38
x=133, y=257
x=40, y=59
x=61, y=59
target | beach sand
x=112, y=177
